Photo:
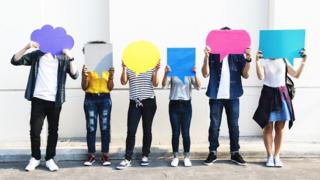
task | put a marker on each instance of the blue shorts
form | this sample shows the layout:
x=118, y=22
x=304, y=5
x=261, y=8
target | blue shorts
x=283, y=115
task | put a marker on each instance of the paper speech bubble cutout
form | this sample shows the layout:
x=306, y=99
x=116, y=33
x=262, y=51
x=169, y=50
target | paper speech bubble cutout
x=52, y=40
x=226, y=42
x=181, y=62
x=282, y=43
x=105, y=64
x=141, y=56
x=98, y=57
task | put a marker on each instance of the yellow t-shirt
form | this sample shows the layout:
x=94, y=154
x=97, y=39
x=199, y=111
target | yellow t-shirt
x=98, y=84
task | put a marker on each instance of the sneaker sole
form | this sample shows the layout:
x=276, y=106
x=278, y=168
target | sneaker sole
x=122, y=167
x=270, y=165
x=238, y=163
x=144, y=164
x=88, y=164
x=106, y=164
x=209, y=164
x=53, y=170
x=28, y=170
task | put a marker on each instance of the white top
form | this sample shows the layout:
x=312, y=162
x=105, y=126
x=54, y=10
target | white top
x=274, y=72
x=224, y=86
x=140, y=87
x=47, y=78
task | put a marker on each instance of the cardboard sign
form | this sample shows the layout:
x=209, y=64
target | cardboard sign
x=226, y=42
x=181, y=62
x=141, y=56
x=52, y=40
x=281, y=44
x=98, y=57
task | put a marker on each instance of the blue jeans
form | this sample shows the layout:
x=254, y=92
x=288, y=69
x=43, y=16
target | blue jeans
x=98, y=105
x=232, y=111
x=180, y=113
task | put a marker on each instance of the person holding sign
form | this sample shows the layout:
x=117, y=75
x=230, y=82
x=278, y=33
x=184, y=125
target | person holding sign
x=46, y=91
x=275, y=106
x=224, y=90
x=142, y=104
x=97, y=103
x=180, y=112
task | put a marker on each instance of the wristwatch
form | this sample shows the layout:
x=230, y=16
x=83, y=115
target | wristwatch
x=248, y=60
x=72, y=59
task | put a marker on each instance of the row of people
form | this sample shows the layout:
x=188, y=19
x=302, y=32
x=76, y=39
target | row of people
x=46, y=91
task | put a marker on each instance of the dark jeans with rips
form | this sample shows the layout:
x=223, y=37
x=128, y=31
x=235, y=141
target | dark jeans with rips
x=180, y=112
x=147, y=111
x=231, y=107
x=40, y=109
x=98, y=106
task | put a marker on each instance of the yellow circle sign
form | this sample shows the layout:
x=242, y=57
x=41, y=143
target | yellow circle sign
x=141, y=56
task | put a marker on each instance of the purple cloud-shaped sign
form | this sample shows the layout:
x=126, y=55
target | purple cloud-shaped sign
x=52, y=40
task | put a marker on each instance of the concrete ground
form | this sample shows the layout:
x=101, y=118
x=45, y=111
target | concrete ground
x=295, y=168
x=75, y=150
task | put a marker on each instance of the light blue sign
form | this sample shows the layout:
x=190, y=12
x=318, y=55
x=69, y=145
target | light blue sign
x=105, y=64
x=282, y=43
x=181, y=62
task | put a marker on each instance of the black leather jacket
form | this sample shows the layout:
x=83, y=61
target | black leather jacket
x=32, y=59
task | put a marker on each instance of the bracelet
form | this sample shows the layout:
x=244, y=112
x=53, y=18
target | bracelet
x=248, y=60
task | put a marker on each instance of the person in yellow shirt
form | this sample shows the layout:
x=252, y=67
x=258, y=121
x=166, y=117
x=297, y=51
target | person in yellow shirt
x=97, y=105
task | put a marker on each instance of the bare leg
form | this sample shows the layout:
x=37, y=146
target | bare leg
x=267, y=138
x=279, y=126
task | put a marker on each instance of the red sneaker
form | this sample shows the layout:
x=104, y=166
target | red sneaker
x=91, y=159
x=105, y=160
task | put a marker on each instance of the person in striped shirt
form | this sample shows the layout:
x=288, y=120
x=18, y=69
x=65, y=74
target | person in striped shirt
x=142, y=104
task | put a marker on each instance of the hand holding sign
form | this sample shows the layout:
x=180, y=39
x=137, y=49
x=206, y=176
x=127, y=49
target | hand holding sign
x=226, y=42
x=52, y=40
x=282, y=43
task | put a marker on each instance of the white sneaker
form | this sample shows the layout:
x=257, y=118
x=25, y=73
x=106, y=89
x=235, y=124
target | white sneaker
x=187, y=162
x=123, y=164
x=33, y=163
x=51, y=165
x=144, y=161
x=277, y=162
x=270, y=161
x=175, y=162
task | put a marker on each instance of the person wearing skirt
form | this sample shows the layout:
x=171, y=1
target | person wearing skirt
x=275, y=106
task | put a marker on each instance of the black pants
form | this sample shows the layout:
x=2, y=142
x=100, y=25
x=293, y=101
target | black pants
x=135, y=112
x=39, y=110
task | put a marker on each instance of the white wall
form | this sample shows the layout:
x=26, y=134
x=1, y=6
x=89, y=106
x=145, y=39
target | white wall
x=167, y=23
x=303, y=14
x=182, y=23
x=84, y=20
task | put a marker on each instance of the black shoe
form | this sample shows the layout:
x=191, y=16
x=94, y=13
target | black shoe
x=237, y=158
x=212, y=157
